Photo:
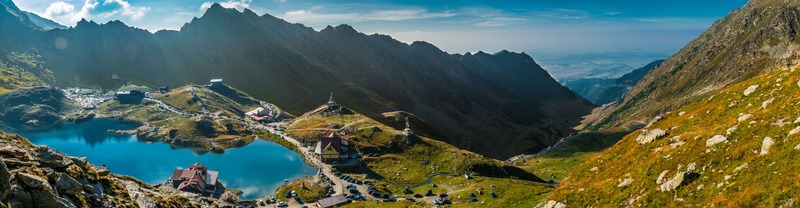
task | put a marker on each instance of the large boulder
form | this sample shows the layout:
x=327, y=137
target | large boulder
x=19, y=197
x=648, y=136
x=68, y=185
x=33, y=182
x=42, y=193
x=80, y=161
x=52, y=158
x=102, y=170
x=5, y=182
x=716, y=139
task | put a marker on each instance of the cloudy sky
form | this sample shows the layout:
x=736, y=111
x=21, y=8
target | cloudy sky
x=546, y=28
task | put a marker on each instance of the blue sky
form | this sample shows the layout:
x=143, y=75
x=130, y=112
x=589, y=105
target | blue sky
x=546, y=28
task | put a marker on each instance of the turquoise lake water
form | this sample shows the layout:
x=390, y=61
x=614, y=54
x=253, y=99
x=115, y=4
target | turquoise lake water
x=257, y=169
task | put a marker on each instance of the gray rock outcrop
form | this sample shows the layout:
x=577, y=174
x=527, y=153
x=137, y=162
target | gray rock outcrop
x=648, y=136
x=53, y=159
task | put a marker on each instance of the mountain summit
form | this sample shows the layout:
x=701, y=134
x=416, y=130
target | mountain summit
x=499, y=104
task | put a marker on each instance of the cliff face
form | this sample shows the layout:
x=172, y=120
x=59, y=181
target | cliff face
x=38, y=176
x=758, y=38
x=498, y=104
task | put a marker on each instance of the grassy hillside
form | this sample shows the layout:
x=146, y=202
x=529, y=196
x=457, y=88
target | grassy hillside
x=421, y=162
x=558, y=163
x=222, y=100
x=19, y=70
x=735, y=148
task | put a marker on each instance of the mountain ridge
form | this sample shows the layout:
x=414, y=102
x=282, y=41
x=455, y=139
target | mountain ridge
x=295, y=67
x=752, y=40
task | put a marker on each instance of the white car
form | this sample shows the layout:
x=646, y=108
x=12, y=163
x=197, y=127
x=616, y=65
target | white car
x=282, y=204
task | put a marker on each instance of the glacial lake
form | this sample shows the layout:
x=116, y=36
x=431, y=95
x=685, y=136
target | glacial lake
x=257, y=169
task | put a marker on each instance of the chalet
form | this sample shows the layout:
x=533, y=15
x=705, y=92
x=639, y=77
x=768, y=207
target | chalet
x=216, y=82
x=332, y=148
x=197, y=179
x=332, y=201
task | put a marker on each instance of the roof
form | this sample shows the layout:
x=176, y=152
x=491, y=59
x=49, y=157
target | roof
x=332, y=140
x=332, y=201
x=216, y=80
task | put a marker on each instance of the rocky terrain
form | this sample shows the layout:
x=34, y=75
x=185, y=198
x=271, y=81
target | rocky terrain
x=38, y=176
x=756, y=39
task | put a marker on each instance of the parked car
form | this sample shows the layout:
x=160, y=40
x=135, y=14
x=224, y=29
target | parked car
x=282, y=204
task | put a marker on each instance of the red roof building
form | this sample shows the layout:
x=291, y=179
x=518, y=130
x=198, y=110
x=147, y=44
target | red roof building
x=197, y=179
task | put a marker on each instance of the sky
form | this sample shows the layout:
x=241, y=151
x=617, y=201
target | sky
x=557, y=33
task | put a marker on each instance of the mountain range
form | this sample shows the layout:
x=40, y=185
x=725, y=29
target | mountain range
x=498, y=104
x=601, y=91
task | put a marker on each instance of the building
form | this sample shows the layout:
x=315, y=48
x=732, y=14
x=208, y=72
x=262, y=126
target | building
x=133, y=96
x=333, y=201
x=408, y=131
x=216, y=82
x=332, y=148
x=197, y=179
x=259, y=114
x=331, y=103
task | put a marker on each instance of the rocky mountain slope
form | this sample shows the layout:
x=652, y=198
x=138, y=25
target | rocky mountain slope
x=496, y=104
x=734, y=148
x=601, y=91
x=38, y=176
x=752, y=40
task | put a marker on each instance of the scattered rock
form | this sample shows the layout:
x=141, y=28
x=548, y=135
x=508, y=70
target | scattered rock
x=52, y=158
x=744, y=117
x=766, y=144
x=594, y=169
x=715, y=140
x=766, y=103
x=625, y=182
x=691, y=167
x=743, y=166
x=552, y=204
x=795, y=130
x=731, y=130
x=661, y=176
x=797, y=120
x=681, y=113
x=68, y=185
x=648, y=136
x=673, y=183
x=750, y=90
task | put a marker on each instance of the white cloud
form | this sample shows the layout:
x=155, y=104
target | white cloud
x=498, y=21
x=65, y=13
x=235, y=4
x=308, y=16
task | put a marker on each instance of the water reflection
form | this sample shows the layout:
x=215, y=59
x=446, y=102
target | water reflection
x=257, y=169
